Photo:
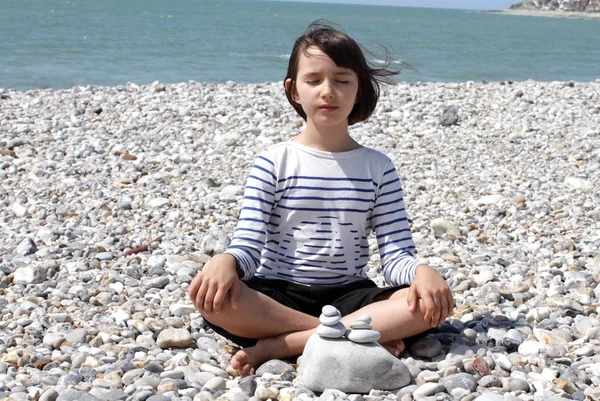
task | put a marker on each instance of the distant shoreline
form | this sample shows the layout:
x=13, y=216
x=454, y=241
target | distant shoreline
x=549, y=14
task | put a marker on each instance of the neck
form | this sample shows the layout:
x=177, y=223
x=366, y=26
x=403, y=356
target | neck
x=328, y=139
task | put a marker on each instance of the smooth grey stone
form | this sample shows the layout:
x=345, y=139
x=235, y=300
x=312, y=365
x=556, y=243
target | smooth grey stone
x=489, y=397
x=158, y=397
x=556, y=350
x=49, y=395
x=174, y=338
x=248, y=385
x=517, y=385
x=199, y=379
x=449, y=116
x=54, y=339
x=201, y=356
x=76, y=336
x=336, y=363
x=333, y=395
x=426, y=347
x=275, y=367
x=150, y=381
x=70, y=380
x=172, y=374
x=112, y=394
x=459, y=380
x=441, y=226
x=364, y=318
x=330, y=320
x=407, y=390
x=156, y=282
x=336, y=331
x=329, y=311
x=363, y=336
x=427, y=389
x=234, y=396
x=215, y=370
x=74, y=395
x=207, y=344
x=104, y=256
x=154, y=368
x=26, y=247
x=28, y=275
x=490, y=381
x=214, y=242
x=215, y=384
x=360, y=325
x=142, y=395
x=356, y=397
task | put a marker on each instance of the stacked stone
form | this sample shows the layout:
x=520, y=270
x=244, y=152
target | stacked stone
x=362, y=332
x=330, y=326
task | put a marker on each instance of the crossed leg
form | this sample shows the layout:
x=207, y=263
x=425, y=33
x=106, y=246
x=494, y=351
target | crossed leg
x=283, y=332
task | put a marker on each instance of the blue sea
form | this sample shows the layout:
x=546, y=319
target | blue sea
x=62, y=43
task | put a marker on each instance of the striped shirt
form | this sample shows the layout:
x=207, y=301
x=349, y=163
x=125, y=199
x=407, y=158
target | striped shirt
x=307, y=214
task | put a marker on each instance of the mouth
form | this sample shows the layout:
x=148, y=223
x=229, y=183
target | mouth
x=327, y=107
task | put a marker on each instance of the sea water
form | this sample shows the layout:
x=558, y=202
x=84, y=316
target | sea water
x=62, y=43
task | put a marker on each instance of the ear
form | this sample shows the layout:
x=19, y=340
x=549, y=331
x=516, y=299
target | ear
x=290, y=87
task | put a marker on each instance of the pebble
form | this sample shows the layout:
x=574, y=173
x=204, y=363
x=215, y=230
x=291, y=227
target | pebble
x=363, y=336
x=426, y=347
x=427, y=390
x=330, y=320
x=174, y=338
x=107, y=217
x=336, y=331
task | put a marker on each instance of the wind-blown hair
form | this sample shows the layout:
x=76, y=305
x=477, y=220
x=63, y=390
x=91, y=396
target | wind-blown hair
x=345, y=53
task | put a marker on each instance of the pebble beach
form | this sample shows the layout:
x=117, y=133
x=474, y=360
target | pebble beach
x=114, y=197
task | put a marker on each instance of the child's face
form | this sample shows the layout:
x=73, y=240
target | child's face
x=326, y=92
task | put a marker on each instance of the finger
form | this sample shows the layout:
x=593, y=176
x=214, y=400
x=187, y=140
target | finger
x=436, y=312
x=194, y=286
x=450, y=303
x=209, y=298
x=429, y=307
x=234, y=294
x=201, y=295
x=411, y=299
x=219, y=298
x=443, y=309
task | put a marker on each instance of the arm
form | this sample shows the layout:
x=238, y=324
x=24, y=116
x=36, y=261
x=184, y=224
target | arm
x=259, y=200
x=394, y=238
x=397, y=248
x=220, y=278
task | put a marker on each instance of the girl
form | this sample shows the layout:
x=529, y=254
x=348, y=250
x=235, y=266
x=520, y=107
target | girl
x=309, y=206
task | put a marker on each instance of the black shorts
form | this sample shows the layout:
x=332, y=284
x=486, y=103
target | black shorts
x=346, y=298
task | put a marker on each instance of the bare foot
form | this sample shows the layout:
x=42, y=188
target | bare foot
x=394, y=347
x=246, y=360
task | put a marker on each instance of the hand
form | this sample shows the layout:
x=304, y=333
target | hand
x=436, y=299
x=217, y=280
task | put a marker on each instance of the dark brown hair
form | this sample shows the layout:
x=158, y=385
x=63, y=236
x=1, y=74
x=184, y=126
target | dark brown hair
x=346, y=53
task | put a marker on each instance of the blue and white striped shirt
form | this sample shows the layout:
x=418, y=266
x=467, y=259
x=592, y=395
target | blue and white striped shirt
x=307, y=214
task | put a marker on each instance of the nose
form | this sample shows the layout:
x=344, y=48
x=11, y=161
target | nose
x=327, y=90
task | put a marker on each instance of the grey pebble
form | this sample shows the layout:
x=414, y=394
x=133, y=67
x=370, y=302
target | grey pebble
x=490, y=381
x=74, y=395
x=275, y=367
x=459, y=380
x=426, y=347
x=329, y=311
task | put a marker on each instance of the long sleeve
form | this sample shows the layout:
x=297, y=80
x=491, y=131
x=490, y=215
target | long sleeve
x=394, y=238
x=257, y=207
